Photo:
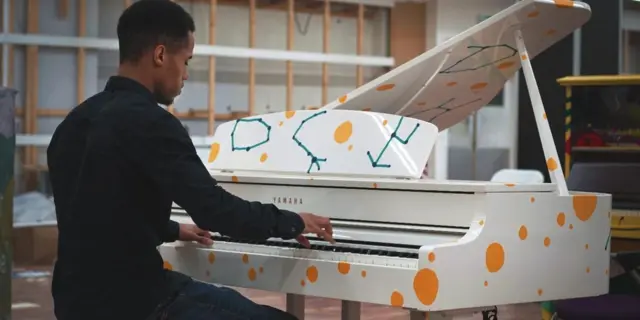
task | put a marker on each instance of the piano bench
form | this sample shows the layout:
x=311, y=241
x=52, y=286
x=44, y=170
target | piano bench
x=606, y=307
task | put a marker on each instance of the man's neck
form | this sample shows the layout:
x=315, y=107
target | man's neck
x=135, y=73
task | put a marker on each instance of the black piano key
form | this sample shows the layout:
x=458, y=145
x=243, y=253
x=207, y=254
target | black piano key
x=327, y=247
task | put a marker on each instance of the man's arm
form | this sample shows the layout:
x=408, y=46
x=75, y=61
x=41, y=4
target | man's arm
x=162, y=150
x=172, y=232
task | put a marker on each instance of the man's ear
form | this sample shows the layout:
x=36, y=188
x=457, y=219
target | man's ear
x=159, y=55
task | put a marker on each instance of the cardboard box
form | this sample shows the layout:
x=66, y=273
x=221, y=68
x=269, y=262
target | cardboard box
x=35, y=246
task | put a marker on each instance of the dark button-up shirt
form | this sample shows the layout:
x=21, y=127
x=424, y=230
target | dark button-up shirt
x=117, y=162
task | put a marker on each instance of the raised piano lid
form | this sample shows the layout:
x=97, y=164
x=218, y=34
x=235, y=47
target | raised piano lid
x=446, y=84
x=391, y=123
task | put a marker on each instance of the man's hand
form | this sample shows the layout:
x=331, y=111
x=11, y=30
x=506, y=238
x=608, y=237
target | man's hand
x=190, y=232
x=321, y=226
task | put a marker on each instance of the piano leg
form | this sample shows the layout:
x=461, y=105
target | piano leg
x=350, y=310
x=295, y=305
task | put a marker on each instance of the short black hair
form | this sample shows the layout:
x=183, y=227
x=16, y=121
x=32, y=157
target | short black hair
x=148, y=23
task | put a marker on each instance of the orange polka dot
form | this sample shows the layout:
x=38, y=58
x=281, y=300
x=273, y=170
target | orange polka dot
x=386, y=87
x=560, y=219
x=167, y=265
x=551, y=32
x=563, y=3
x=344, y=267
x=261, y=270
x=606, y=271
x=510, y=184
x=588, y=270
x=366, y=109
x=552, y=164
x=532, y=199
x=245, y=258
x=234, y=178
x=343, y=132
x=523, y=57
x=211, y=257
x=289, y=114
x=570, y=226
x=312, y=108
x=426, y=286
x=539, y=292
x=397, y=300
x=422, y=104
x=214, y=151
x=505, y=65
x=586, y=246
x=544, y=116
x=252, y=274
x=533, y=14
x=384, y=122
x=451, y=84
x=350, y=147
x=432, y=257
x=342, y=99
x=481, y=222
x=547, y=241
x=302, y=283
x=494, y=257
x=584, y=206
x=523, y=232
x=312, y=274
x=263, y=157
x=363, y=273
x=280, y=123
x=375, y=185
x=479, y=85
x=486, y=283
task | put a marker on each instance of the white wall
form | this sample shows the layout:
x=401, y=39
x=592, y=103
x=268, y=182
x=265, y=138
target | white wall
x=57, y=66
x=232, y=29
x=445, y=19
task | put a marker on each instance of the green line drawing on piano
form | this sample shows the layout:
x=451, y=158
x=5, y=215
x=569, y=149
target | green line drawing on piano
x=479, y=49
x=442, y=107
x=314, y=159
x=394, y=135
x=255, y=145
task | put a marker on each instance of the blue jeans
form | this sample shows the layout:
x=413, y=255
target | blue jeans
x=195, y=300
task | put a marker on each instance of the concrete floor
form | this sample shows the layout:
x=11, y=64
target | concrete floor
x=32, y=301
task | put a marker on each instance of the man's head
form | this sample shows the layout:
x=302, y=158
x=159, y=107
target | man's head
x=156, y=43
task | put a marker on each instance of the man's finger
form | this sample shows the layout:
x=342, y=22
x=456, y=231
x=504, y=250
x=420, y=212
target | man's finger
x=205, y=240
x=303, y=241
x=326, y=236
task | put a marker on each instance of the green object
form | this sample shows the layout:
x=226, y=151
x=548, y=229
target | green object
x=7, y=153
x=548, y=310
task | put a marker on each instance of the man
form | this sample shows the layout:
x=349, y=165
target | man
x=117, y=162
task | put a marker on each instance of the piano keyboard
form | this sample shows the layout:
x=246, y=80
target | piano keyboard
x=405, y=256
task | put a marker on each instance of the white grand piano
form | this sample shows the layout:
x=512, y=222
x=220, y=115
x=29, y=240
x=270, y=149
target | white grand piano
x=405, y=240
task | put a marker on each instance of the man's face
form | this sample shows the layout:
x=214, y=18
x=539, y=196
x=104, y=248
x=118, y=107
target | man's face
x=171, y=67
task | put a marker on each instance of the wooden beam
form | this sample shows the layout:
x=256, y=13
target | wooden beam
x=326, y=28
x=81, y=61
x=408, y=31
x=252, y=61
x=359, y=44
x=190, y=114
x=12, y=68
x=31, y=91
x=211, y=105
x=290, y=29
x=63, y=9
x=346, y=10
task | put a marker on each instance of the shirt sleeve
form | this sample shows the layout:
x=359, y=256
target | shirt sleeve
x=162, y=150
x=172, y=232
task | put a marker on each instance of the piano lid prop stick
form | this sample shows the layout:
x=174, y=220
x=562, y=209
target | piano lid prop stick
x=548, y=146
